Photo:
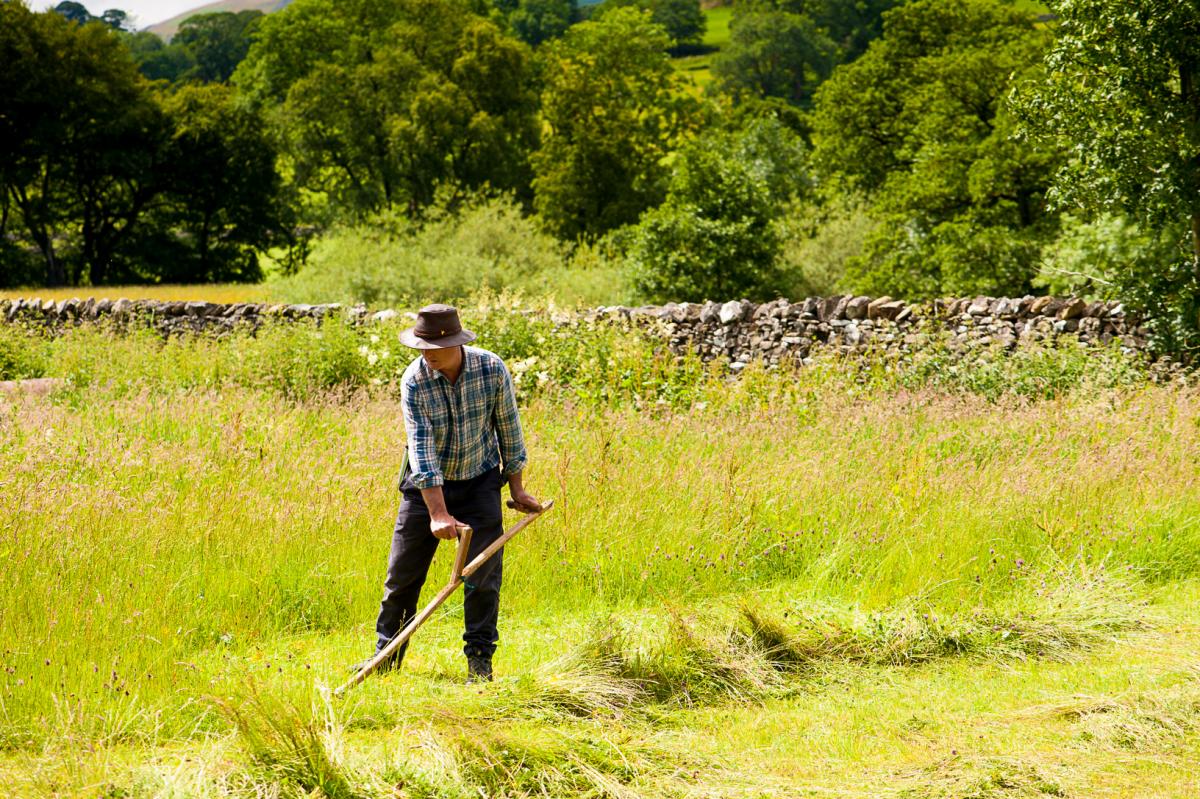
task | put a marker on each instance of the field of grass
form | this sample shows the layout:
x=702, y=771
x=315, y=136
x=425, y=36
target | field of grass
x=716, y=36
x=804, y=584
x=211, y=292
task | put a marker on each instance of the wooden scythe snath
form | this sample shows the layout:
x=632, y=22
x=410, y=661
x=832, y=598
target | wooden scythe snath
x=458, y=574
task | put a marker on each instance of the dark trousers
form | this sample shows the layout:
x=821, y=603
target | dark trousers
x=474, y=502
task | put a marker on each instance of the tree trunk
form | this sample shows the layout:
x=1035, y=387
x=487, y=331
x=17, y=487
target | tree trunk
x=1196, y=244
x=204, y=246
x=1187, y=92
x=40, y=232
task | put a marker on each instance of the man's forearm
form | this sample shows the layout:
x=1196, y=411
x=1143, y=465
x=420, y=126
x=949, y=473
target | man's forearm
x=514, y=482
x=435, y=501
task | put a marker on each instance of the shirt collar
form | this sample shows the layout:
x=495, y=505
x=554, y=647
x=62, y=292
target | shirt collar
x=433, y=374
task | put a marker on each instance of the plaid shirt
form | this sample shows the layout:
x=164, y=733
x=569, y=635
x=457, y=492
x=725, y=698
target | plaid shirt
x=461, y=430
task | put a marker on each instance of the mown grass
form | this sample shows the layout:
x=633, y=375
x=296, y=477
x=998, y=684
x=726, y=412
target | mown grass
x=194, y=534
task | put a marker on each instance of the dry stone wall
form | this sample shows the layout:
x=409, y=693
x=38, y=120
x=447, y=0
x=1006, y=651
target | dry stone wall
x=780, y=330
x=738, y=330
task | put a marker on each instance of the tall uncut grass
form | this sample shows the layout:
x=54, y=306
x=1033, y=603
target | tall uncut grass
x=181, y=510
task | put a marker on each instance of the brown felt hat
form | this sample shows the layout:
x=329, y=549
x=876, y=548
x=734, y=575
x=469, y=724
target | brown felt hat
x=437, y=328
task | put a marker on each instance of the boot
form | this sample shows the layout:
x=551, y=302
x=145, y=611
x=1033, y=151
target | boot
x=479, y=667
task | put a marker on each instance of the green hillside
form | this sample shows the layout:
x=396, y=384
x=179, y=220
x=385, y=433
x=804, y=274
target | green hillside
x=167, y=28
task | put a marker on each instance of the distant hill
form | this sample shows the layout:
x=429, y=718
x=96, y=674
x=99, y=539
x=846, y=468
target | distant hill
x=167, y=28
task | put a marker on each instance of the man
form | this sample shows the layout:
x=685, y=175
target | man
x=464, y=443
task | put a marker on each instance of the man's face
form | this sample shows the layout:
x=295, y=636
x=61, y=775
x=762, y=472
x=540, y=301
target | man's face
x=443, y=360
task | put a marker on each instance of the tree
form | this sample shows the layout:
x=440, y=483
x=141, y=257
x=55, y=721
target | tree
x=850, y=24
x=116, y=19
x=785, y=48
x=683, y=20
x=81, y=136
x=1122, y=96
x=217, y=42
x=76, y=12
x=536, y=21
x=223, y=203
x=613, y=109
x=714, y=237
x=378, y=103
x=157, y=60
x=920, y=123
x=773, y=53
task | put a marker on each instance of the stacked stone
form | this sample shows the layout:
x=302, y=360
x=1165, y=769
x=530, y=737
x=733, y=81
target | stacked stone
x=780, y=331
x=166, y=316
x=741, y=331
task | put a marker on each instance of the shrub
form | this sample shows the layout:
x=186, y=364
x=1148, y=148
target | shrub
x=714, y=237
x=450, y=256
x=818, y=243
x=22, y=354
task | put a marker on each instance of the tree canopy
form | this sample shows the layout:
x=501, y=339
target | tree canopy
x=112, y=180
x=1121, y=95
x=613, y=110
x=921, y=123
x=378, y=104
x=714, y=236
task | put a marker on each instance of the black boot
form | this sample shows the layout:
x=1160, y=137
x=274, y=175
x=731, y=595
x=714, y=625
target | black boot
x=479, y=667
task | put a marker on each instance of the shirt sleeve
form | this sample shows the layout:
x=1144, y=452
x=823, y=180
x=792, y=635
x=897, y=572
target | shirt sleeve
x=422, y=456
x=508, y=425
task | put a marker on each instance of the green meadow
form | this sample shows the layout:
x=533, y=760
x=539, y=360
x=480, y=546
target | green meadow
x=858, y=579
x=716, y=36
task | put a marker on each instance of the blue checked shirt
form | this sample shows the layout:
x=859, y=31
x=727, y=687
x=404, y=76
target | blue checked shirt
x=460, y=431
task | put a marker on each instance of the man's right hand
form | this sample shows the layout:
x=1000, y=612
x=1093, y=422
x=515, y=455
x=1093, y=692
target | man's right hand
x=445, y=527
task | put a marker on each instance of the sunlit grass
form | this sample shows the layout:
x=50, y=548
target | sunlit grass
x=716, y=35
x=209, y=292
x=812, y=579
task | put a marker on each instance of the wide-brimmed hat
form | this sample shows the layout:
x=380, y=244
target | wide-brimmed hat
x=437, y=328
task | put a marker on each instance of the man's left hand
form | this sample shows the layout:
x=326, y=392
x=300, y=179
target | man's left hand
x=523, y=501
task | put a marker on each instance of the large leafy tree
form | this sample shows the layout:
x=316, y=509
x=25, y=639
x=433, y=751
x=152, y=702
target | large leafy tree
x=157, y=60
x=1122, y=96
x=111, y=180
x=378, y=103
x=784, y=49
x=536, y=21
x=82, y=137
x=773, y=53
x=851, y=24
x=216, y=42
x=714, y=237
x=683, y=20
x=921, y=124
x=223, y=197
x=613, y=109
